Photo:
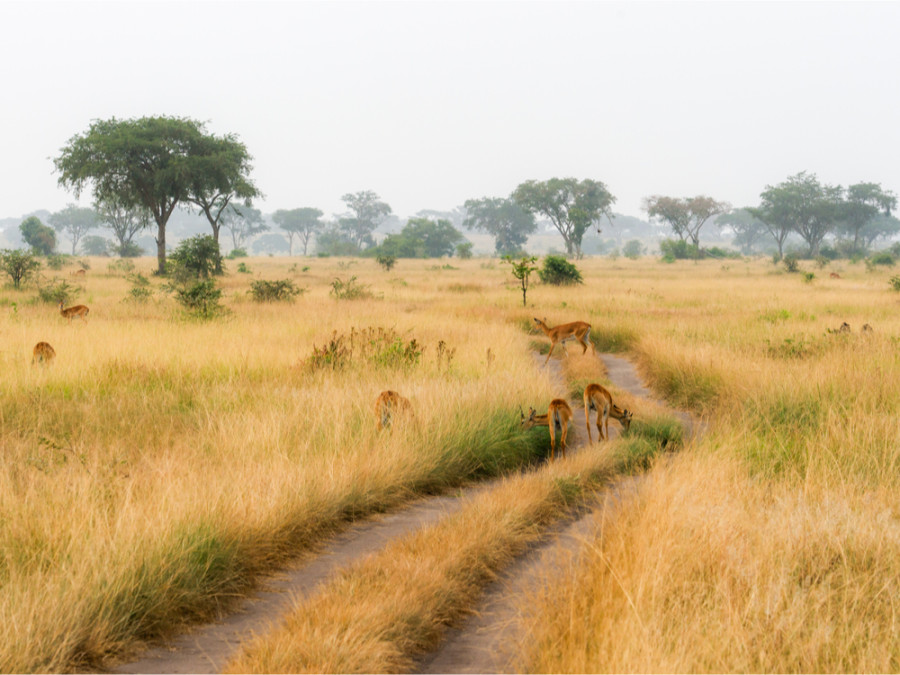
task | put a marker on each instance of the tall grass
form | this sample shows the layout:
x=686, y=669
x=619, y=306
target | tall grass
x=159, y=465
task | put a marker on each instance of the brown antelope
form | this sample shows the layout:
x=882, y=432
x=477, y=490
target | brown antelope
x=577, y=330
x=42, y=353
x=387, y=405
x=867, y=328
x=77, y=310
x=558, y=416
x=835, y=275
x=598, y=398
x=78, y=273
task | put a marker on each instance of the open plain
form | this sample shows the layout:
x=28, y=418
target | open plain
x=160, y=465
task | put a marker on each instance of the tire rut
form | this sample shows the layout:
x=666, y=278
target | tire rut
x=479, y=645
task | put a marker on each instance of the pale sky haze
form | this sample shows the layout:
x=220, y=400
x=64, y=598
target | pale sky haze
x=431, y=103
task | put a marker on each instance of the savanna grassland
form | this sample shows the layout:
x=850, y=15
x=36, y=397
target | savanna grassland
x=161, y=462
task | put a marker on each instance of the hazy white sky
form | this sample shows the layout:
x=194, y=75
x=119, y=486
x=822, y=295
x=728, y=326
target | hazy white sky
x=431, y=103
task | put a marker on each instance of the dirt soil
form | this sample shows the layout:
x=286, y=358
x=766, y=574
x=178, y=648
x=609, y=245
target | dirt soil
x=482, y=644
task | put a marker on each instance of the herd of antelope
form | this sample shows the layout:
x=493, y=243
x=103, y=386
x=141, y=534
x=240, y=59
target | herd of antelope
x=43, y=352
x=559, y=414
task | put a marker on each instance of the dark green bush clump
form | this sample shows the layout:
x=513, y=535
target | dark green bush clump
x=281, y=290
x=558, y=271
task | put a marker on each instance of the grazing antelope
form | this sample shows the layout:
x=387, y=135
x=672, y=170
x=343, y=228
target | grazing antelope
x=558, y=416
x=387, y=405
x=867, y=328
x=77, y=310
x=78, y=273
x=577, y=330
x=598, y=398
x=835, y=275
x=845, y=328
x=42, y=353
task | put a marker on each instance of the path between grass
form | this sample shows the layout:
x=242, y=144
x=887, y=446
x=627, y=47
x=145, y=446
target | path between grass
x=481, y=645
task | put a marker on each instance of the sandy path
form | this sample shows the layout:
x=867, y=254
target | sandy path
x=480, y=645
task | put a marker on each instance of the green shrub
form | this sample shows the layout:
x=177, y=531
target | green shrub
x=201, y=299
x=791, y=264
x=386, y=261
x=237, y=253
x=140, y=288
x=124, y=266
x=349, y=290
x=678, y=249
x=283, y=290
x=196, y=258
x=56, y=261
x=18, y=265
x=558, y=271
x=633, y=249
x=895, y=283
x=57, y=291
x=243, y=269
x=882, y=258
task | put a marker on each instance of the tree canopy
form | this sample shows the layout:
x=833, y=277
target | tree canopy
x=686, y=216
x=39, y=237
x=503, y=219
x=75, y=221
x=156, y=163
x=422, y=238
x=303, y=223
x=368, y=213
x=571, y=205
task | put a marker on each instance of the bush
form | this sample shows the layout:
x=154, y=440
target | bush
x=791, y=264
x=237, y=253
x=58, y=291
x=243, y=269
x=283, y=290
x=633, y=249
x=386, y=261
x=56, y=261
x=18, y=265
x=464, y=250
x=678, y=249
x=882, y=258
x=140, y=288
x=367, y=348
x=895, y=283
x=349, y=290
x=558, y=271
x=201, y=299
x=196, y=258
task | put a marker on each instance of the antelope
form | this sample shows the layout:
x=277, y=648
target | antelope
x=835, y=275
x=867, y=328
x=78, y=273
x=598, y=398
x=577, y=330
x=558, y=416
x=387, y=405
x=77, y=310
x=42, y=353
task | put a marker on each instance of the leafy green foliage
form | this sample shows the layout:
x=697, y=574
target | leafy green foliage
x=464, y=250
x=349, y=289
x=387, y=262
x=39, y=237
x=503, y=219
x=422, y=238
x=885, y=258
x=558, y=271
x=282, y=290
x=895, y=283
x=201, y=299
x=237, y=253
x=522, y=270
x=633, y=249
x=18, y=265
x=678, y=249
x=196, y=258
x=140, y=290
x=57, y=291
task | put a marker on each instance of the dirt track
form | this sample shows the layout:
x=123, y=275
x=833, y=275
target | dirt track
x=482, y=644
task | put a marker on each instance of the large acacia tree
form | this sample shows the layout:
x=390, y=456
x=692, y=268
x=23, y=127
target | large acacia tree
x=803, y=205
x=368, y=213
x=303, y=222
x=571, y=205
x=75, y=221
x=685, y=216
x=155, y=163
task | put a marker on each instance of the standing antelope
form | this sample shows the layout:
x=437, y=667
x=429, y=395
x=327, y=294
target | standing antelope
x=577, y=330
x=42, y=353
x=78, y=273
x=387, y=405
x=77, y=310
x=558, y=416
x=599, y=399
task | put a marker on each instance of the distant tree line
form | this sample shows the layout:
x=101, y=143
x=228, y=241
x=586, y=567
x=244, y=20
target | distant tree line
x=140, y=171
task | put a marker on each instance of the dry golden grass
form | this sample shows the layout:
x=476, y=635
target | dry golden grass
x=159, y=463
x=771, y=545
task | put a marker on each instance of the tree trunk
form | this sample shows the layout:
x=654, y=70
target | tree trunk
x=161, y=249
